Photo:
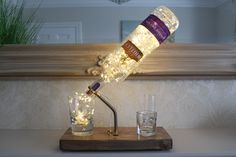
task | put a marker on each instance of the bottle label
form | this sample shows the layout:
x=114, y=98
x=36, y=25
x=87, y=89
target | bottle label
x=156, y=27
x=132, y=51
x=95, y=86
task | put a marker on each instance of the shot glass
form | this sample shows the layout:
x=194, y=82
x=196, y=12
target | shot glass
x=146, y=123
x=81, y=110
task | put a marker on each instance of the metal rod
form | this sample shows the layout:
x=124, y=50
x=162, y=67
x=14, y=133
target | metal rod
x=115, y=128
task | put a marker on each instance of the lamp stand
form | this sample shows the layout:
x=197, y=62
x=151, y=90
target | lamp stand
x=115, y=128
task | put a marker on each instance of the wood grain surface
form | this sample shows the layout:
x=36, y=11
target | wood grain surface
x=127, y=140
x=169, y=61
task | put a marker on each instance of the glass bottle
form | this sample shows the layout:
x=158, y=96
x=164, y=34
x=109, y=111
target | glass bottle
x=153, y=31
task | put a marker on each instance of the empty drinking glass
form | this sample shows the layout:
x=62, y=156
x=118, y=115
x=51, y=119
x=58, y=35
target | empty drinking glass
x=146, y=123
x=146, y=119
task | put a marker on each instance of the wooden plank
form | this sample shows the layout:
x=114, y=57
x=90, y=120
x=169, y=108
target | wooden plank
x=169, y=61
x=127, y=140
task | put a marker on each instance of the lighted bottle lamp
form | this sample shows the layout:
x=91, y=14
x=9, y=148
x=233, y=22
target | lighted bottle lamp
x=119, y=64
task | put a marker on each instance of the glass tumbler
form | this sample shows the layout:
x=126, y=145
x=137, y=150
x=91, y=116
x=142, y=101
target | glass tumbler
x=146, y=123
x=81, y=109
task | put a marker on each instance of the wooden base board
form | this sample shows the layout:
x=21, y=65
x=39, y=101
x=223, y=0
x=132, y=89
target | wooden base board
x=127, y=140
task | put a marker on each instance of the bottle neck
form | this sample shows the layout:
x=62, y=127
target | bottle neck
x=94, y=87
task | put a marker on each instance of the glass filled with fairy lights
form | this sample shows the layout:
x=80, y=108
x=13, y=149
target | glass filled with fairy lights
x=119, y=64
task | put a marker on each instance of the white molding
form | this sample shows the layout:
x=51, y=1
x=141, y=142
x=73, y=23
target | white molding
x=132, y=3
x=77, y=26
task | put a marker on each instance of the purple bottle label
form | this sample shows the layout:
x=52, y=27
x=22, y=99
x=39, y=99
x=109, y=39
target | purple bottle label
x=156, y=27
x=95, y=86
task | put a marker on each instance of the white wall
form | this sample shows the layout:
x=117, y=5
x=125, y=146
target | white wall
x=42, y=104
x=226, y=23
x=98, y=24
x=102, y=24
x=197, y=25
